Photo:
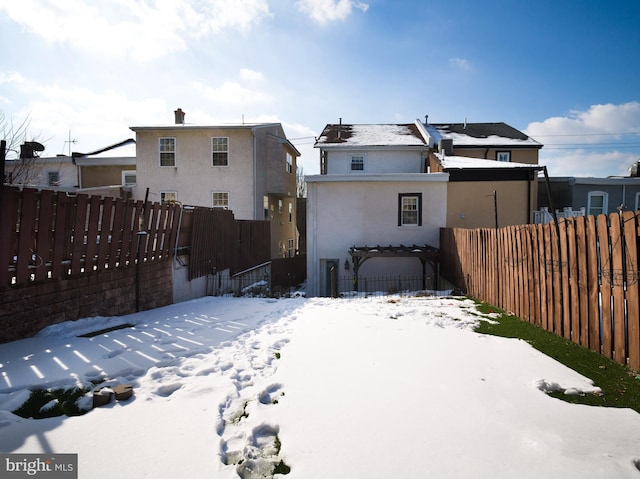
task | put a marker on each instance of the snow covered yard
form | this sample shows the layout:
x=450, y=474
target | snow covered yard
x=362, y=388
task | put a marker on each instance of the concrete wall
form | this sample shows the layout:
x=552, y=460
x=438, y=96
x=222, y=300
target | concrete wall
x=343, y=212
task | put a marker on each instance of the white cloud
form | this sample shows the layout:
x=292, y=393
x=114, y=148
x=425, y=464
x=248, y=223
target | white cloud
x=601, y=141
x=460, y=64
x=250, y=75
x=323, y=11
x=233, y=93
x=135, y=28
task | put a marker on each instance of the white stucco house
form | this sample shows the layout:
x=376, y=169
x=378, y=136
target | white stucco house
x=385, y=190
x=249, y=169
x=374, y=210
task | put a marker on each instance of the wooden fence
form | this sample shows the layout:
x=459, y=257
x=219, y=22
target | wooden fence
x=48, y=235
x=215, y=240
x=577, y=279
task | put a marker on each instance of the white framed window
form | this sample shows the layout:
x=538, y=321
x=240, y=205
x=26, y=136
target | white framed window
x=290, y=212
x=128, y=177
x=597, y=203
x=503, y=156
x=167, y=152
x=168, y=196
x=220, y=151
x=289, y=162
x=53, y=178
x=410, y=209
x=291, y=248
x=280, y=207
x=221, y=199
x=357, y=163
x=637, y=202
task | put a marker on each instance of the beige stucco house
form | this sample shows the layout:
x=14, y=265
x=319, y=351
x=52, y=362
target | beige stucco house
x=385, y=191
x=247, y=168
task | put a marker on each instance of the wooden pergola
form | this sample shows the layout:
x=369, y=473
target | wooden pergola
x=425, y=253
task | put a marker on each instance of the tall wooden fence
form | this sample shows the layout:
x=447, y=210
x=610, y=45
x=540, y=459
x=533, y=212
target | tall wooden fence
x=215, y=240
x=48, y=235
x=577, y=279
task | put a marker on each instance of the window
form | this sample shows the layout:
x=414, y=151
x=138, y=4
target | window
x=503, y=156
x=53, y=178
x=167, y=152
x=129, y=178
x=289, y=163
x=168, y=196
x=597, y=203
x=290, y=212
x=279, y=206
x=265, y=205
x=290, y=248
x=410, y=209
x=220, y=151
x=221, y=199
x=357, y=163
x=637, y=201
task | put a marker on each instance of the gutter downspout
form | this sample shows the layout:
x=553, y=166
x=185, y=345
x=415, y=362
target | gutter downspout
x=255, y=172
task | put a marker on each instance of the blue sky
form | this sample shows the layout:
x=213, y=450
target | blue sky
x=566, y=72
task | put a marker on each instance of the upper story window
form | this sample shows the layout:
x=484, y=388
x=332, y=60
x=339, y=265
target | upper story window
x=290, y=212
x=637, y=202
x=167, y=152
x=357, y=163
x=410, y=209
x=129, y=178
x=221, y=199
x=289, y=163
x=597, y=203
x=168, y=196
x=220, y=151
x=53, y=178
x=503, y=156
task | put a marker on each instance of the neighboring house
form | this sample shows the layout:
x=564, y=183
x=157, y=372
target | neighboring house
x=248, y=168
x=108, y=171
x=385, y=191
x=590, y=196
x=113, y=167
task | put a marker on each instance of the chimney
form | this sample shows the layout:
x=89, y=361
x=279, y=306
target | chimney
x=445, y=146
x=179, y=116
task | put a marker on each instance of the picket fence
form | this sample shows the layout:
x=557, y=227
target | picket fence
x=577, y=278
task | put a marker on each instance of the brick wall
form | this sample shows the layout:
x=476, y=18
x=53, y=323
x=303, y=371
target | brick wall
x=25, y=310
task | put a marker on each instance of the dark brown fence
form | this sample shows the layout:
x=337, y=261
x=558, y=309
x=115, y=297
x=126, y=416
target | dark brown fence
x=48, y=235
x=215, y=241
x=578, y=279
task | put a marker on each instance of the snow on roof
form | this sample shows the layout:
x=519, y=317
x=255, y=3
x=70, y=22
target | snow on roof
x=451, y=162
x=483, y=134
x=371, y=135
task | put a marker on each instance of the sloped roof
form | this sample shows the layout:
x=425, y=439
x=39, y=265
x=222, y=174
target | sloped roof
x=459, y=162
x=402, y=134
x=481, y=134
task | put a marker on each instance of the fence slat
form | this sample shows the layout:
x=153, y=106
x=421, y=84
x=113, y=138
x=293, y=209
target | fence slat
x=92, y=232
x=602, y=225
x=631, y=280
x=617, y=286
x=574, y=273
x=593, y=315
x=26, y=238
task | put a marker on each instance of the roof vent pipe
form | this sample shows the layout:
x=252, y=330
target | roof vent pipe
x=179, y=115
x=426, y=119
x=340, y=129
